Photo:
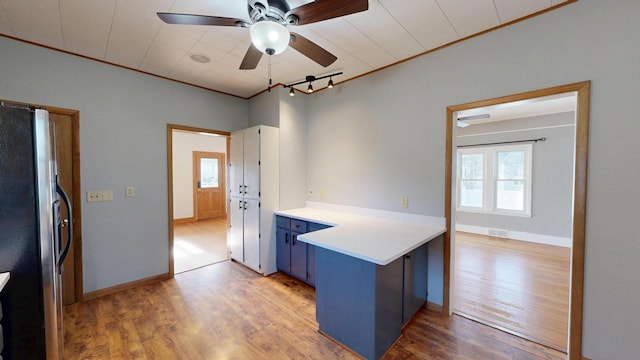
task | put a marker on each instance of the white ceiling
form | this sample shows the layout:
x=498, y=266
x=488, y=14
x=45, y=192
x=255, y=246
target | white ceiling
x=128, y=33
x=546, y=105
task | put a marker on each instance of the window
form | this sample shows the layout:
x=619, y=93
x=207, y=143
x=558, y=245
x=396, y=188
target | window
x=495, y=179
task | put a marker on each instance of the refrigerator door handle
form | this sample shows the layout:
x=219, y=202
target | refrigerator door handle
x=69, y=226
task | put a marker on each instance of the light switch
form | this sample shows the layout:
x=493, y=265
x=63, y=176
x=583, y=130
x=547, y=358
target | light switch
x=99, y=196
x=130, y=191
x=404, y=202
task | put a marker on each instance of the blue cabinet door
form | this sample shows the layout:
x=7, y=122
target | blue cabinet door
x=298, y=257
x=311, y=264
x=414, y=282
x=283, y=250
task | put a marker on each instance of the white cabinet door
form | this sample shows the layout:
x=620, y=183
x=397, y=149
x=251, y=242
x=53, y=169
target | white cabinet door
x=252, y=234
x=236, y=169
x=251, y=159
x=236, y=232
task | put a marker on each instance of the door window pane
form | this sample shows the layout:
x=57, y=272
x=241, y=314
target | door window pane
x=209, y=173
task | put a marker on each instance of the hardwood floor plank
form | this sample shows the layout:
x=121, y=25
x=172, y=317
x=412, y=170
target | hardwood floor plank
x=226, y=311
x=515, y=286
x=199, y=243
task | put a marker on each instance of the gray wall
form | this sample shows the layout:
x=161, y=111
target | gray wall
x=264, y=109
x=293, y=150
x=382, y=136
x=552, y=174
x=123, y=137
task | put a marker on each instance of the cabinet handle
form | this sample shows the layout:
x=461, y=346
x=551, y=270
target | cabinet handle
x=293, y=239
x=245, y=189
x=239, y=189
x=286, y=238
x=245, y=205
x=240, y=205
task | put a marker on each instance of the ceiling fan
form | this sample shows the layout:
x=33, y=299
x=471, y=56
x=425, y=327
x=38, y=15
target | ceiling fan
x=268, y=26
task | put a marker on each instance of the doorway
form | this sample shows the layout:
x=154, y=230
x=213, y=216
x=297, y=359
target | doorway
x=578, y=195
x=197, y=159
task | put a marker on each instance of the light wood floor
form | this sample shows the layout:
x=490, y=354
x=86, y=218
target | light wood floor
x=225, y=311
x=199, y=243
x=517, y=286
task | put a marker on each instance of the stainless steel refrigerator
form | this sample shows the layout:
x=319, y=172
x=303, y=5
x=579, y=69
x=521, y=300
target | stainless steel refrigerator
x=31, y=235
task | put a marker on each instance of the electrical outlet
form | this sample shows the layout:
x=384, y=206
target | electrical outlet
x=404, y=202
x=130, y=191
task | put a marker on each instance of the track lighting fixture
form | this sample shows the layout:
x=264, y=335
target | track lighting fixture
x=310, y=79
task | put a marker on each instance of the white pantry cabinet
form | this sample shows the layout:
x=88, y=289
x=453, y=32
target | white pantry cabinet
x=254, y=196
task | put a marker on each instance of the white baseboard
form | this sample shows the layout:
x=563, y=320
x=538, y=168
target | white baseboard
x=380, y=214
x=519, y=235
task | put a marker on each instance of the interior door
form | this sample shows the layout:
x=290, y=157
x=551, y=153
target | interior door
x=64, y=159
x=236, y=231
x=251, y=161
x=236, y=154
x=209, y=185
x=252, y=234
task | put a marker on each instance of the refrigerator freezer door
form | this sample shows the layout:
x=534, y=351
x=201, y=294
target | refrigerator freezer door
x=45, y=167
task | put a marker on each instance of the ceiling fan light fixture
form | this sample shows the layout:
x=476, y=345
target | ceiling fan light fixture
x=310, y=88
x=330, y=85
x=269, y=37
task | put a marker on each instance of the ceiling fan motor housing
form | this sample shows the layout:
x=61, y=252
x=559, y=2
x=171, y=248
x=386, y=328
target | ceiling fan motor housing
x=274, y=10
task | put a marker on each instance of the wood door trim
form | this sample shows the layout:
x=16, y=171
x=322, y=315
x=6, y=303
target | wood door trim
x=170, y=128
x=583, y=90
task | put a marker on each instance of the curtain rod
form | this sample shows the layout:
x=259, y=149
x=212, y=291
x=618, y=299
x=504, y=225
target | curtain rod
x=505, y=142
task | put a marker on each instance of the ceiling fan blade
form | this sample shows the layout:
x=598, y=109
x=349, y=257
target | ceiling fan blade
x=311, y=50
x=188, y=19
x=320, y=10
x=251, y=58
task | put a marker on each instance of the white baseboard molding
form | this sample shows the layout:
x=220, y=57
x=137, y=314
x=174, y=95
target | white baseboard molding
x=380, y=214
x=519, y=235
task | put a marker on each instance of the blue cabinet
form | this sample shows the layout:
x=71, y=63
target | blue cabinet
x=295, y=257
x=364, y=305
x=415, y=271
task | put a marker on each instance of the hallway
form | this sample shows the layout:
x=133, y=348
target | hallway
x=199, y=244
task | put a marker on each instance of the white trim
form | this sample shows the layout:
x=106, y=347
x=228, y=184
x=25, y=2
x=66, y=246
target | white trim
x=519, y=130
x=380, y=214
x=519, y=235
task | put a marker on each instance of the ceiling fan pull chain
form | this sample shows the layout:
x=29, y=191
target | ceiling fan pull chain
x=269, y=87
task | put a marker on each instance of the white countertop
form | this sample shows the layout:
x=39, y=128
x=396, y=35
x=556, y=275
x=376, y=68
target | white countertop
x=372, y=239
x=4, y=278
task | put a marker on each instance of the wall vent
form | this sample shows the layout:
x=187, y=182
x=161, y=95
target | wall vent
x=501, y=233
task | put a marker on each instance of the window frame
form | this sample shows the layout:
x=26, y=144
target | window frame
x=490, y=179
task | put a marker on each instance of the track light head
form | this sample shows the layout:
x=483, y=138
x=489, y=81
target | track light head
x=291, y=92
x=330, y=86
x=310, y=88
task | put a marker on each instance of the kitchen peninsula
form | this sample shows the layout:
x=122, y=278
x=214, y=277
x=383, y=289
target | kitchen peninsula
x=370, y=273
